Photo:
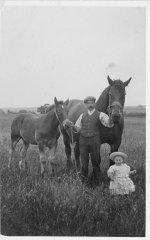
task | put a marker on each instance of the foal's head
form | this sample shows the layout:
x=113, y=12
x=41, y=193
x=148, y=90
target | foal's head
x=116, y=98
x=61, y=110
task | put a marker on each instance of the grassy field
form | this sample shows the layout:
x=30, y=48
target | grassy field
x=63, y=206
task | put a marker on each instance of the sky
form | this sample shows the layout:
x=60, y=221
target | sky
x=68, y=51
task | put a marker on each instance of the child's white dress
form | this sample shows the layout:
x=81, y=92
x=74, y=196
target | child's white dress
x=121, y=183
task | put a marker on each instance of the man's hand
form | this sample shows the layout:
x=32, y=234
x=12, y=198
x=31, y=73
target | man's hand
x=68, y=123
x=71, y=124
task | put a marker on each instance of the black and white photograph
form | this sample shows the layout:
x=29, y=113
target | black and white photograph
x=73, y=118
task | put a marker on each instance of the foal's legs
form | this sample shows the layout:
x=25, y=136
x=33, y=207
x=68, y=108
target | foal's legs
x=12, y=149
x=51, y=158
x=77, y=156
x=42, y=150
x=23, y=163
x=67, y=148
x=114, y=148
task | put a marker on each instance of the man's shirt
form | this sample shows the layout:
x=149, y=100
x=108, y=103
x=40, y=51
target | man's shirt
x=103, y=117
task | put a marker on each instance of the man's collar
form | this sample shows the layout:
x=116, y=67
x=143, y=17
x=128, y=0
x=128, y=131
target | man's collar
x=91, y=112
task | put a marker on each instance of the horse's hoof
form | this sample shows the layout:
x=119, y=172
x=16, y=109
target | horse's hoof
x=78, y=174
x=9, y=168
x=69, y=165
x=20, y=165
x=42, y=175
x=59, y=179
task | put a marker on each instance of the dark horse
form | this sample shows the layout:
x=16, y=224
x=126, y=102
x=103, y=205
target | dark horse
x=41, y=130
x=111, y=102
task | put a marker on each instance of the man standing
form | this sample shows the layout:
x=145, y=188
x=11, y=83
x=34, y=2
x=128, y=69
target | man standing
x=88, y=124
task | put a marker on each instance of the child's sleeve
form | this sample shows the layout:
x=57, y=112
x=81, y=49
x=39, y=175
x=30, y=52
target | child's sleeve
x=104, y=118
x=110, y=172
x=128, y=167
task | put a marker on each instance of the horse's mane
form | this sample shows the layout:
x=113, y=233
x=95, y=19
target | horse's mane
x=51, y=107
x=103, y=101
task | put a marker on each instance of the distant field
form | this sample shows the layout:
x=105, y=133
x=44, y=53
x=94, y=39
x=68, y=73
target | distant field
x=63, y=206
x=135, y=111
x=127, y=109
x=139, y=109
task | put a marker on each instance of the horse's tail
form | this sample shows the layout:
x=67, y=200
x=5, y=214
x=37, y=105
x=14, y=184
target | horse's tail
x=16, y=126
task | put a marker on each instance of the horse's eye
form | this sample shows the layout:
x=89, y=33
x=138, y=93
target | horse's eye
x=58, y=111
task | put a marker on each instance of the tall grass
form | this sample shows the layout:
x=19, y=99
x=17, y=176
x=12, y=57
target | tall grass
x=63, y=206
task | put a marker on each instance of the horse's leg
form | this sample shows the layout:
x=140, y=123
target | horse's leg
x=51, y=158
x=23, y=163
x=12, y=149
x=77, y=155
x=113, y=148
x=67, y=149
x=41, y=147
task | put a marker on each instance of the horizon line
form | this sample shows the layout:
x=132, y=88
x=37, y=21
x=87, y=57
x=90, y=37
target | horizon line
x=137, y=105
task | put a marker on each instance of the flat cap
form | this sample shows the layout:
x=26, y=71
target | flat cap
x=89, y=98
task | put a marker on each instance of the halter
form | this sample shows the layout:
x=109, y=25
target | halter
x=72, y=132
x=115, y=103
x=120, y=109
x=72, y=138
x=61, y=124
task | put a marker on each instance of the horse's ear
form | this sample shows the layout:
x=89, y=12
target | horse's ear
x=110, y=81
x=55, y=101
x=66, y=102
x=127, y=82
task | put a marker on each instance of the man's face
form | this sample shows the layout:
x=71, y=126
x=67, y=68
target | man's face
x=90, y=105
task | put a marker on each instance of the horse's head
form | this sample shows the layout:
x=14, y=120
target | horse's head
x=116, y=98
x=61, y=110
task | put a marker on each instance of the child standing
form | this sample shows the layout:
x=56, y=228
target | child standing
x=119, y=174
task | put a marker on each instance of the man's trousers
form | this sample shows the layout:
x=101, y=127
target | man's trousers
x=90, y=145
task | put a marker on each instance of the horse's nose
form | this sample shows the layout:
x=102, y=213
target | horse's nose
x=116, y=117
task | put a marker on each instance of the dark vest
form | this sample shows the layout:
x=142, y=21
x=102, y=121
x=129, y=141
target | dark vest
x=90, y=124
